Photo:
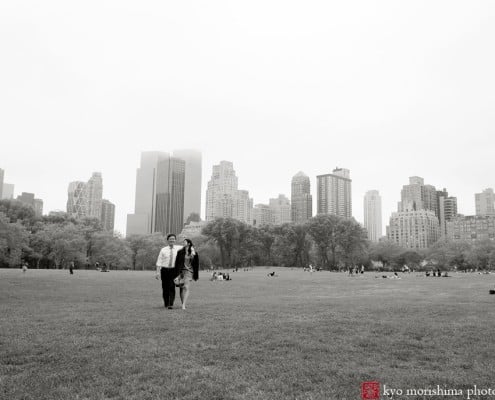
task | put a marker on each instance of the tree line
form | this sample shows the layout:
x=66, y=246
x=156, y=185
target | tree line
x=327, y=241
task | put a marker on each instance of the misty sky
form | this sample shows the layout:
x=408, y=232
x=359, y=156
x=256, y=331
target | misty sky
x=387, y=89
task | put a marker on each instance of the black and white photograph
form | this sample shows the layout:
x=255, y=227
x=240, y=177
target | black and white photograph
x=254, y=200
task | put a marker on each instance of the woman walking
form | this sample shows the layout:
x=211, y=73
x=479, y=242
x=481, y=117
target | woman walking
x=187, y=266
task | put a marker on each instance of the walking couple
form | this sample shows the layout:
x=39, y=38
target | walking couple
x=174, y=261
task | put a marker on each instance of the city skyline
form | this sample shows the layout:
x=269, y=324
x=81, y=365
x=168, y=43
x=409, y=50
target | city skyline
x=288, y=89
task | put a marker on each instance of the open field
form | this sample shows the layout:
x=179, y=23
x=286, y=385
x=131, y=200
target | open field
x=296, y=336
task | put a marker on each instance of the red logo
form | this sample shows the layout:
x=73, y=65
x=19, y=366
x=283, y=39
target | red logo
x=370, y=390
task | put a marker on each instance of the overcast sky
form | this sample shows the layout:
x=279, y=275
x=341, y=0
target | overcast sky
x=387, y=89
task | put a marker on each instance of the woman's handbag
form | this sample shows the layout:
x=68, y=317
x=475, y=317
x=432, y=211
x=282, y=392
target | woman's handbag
x=179, y=280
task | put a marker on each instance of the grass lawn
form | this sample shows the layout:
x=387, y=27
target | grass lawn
x=98, y=335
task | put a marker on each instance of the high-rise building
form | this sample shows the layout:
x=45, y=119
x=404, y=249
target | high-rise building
x=418, y=196
x=373, y=215
x=77, y=202
x=334, y=193
x=29, y=200
x=262, y=215
x=280, y=209
x=224, y=199
x=8, y=191
x=414, y=229
x=485, y=202
x=471, y=228
x=447, y=209
x=416, y=224
x=94, y=195
x=2, y=175
x=169, y=205
x=159, y=201
x=107, y=215
x=301, y=199
x=192, y=184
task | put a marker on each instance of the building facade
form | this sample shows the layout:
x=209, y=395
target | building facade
x=373, y=215
x=334, y=193
x=471, y=228
x=301, y=199
x=94, y=195
x=262, y=215
x=224, y=199
x=280, y=210
x=2, y=177
x=159, y=201
x=29, y=200
x=447, y=210
x=107, y=215
x=8, y=191
x=77, y=202
x=414, y=229
x=485, y=202
x=192, y=181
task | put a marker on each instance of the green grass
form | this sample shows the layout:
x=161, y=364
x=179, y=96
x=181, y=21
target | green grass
x=296, y=336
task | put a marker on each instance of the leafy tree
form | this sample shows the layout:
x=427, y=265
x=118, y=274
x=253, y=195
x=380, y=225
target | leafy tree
x=193, y=217
x=147, y=251
x=387, y=252
x=112, y=250
x=16, y=211
x=292, y=245
x=352, y=240
x=224, y=233
x=14, y=242
x=323, y=229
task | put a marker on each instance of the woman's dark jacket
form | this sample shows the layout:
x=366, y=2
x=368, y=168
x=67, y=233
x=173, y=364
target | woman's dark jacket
x=179, y=263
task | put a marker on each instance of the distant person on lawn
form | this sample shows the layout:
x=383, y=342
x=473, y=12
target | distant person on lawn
x=187, y=265
x=165, y=269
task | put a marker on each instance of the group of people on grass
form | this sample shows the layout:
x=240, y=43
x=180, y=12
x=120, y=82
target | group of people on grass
x=220, y=276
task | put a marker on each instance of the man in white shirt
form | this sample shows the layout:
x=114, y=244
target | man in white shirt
x=165, y=269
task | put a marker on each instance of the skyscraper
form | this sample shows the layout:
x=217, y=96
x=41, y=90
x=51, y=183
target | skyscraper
x=485, y=202
x=107, y=215
x=280, y=209
x=224, y=199
x=334, y=193
x=373, y=215
x=77, y=202
x=301, y=199
x=416, y=223
x=94, y=195
x=8, y=191
x=159, y=201
x=2, y=174
x=192, y=183
x=447, y=210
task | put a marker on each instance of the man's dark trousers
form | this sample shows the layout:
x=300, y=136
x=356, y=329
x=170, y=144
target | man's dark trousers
x=168, y=285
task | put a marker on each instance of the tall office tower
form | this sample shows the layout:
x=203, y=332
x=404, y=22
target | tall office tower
x=77, y=202
x=418, y=196
x=447, y=210
x=262, y=215
x=8, y=191
x=243, y=207
x=107, y=215
x=334, y=193
x=169, y=206
x=192, y=185
x=280, y=209
x=485, y=202
x=2, y=174
x=415, y=229
x=373, y=215
x=159, y=202
x=300, y=198
x=94, y=195
x=38, y=207
x=416, y=224
x=223, y=199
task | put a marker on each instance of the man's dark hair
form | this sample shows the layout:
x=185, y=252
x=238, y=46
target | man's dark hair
x=170, y=235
